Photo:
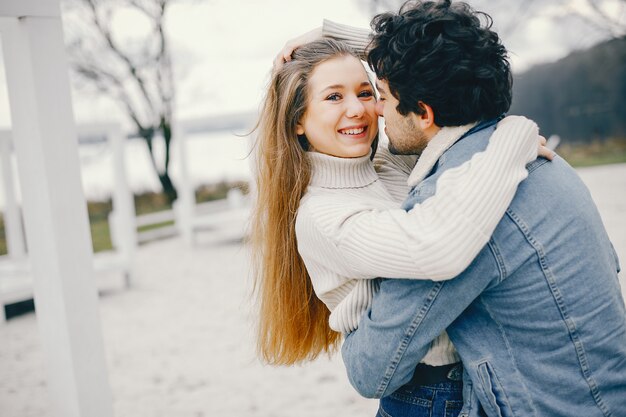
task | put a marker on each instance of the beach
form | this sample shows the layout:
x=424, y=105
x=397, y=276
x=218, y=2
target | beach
x=180, y=341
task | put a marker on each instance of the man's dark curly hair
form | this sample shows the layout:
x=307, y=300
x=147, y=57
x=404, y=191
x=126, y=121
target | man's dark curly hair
x=442, y=54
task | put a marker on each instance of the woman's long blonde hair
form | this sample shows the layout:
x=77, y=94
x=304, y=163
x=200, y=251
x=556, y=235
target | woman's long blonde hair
x=293, y=322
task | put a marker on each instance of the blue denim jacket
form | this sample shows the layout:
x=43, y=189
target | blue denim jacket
x=538, y=317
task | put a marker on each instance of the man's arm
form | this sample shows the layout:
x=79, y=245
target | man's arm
x=405, y=317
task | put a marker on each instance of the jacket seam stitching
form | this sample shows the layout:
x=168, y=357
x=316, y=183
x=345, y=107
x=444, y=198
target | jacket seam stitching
x=581, y=354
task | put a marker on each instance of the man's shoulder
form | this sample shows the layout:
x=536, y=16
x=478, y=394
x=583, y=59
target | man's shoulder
x=460, y=152
x=463, y=149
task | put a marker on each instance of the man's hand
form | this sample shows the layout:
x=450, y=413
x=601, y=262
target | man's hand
x=285, y=54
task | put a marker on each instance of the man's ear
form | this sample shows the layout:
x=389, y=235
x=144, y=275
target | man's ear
x=426, y=120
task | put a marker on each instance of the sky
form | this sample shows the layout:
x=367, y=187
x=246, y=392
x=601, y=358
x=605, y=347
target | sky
x=223, y=49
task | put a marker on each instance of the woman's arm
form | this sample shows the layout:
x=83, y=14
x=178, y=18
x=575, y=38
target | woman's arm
x=437, y=239
x=358, y=39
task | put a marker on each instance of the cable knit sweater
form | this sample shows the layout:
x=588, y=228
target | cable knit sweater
x=350, y=229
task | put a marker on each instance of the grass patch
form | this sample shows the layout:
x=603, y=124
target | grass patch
x=611, y=151
x=3, y=242
x=151, y=202
x=100, y=235
x=99, y=223
x=155, y=226
x=218, y=191
x=145, y=203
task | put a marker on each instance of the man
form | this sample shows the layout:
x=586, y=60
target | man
x=538, y=318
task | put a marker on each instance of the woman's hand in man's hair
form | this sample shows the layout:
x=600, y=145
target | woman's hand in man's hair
x=291, y=45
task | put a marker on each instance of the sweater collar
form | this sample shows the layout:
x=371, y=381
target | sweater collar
x=333, y=172
x=444, y=139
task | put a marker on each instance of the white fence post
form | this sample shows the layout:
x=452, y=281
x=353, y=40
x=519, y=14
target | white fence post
x=55, y=212
x=125, y=222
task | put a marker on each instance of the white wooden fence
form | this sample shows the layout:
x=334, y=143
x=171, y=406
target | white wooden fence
x=16, y=282
x=191, y=218
x=54, y=249
x=225, y=219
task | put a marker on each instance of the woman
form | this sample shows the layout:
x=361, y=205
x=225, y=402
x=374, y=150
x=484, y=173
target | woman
x=319, y=197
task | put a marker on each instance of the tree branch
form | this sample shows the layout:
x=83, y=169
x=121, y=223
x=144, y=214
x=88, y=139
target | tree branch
x=132, y=69
x=613, y=22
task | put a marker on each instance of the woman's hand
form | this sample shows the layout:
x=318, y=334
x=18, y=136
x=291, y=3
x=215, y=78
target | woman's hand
x=295, y=43
x=544, y=151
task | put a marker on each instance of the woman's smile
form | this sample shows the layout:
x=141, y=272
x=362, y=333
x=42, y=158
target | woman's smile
x=354, y=132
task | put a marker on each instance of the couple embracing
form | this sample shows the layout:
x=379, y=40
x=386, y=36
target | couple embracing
x=463, y=266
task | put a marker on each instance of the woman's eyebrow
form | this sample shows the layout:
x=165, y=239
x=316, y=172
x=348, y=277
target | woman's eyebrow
x=339, y=86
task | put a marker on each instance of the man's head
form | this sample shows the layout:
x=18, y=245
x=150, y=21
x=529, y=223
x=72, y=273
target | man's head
x=408, y=134
x=441, y=65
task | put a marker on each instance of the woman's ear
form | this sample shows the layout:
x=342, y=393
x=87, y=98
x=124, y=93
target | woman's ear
x=299, y=129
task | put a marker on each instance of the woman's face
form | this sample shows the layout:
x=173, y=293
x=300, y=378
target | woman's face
x=340, y=119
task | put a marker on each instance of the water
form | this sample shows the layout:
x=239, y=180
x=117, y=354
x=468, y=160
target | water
x=212, y=157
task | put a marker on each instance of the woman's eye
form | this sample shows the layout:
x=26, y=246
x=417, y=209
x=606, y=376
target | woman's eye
x=366, y=93
x=334, y=97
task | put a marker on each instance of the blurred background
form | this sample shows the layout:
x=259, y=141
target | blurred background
x=180, y=81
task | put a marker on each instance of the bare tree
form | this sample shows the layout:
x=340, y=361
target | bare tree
x=136, y=74
x=599, y=18
x=512, y=15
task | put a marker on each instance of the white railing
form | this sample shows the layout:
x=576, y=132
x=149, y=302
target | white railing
x=229, y=217
x=16, y=282
x=154, y=219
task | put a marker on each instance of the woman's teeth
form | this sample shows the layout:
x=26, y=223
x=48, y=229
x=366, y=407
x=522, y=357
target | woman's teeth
x=352, y=131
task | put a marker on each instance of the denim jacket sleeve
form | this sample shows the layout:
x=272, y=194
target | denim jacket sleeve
x=405, y=317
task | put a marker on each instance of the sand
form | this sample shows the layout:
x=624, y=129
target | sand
x=180, y=342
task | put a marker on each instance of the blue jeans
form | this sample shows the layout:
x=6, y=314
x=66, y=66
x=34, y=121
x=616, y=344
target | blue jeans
x=444, y=399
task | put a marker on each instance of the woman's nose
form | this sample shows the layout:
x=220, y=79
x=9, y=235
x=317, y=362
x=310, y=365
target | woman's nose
x=355, y=108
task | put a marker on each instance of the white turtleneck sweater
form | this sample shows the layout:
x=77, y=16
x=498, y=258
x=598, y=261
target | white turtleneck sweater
x=350, y=229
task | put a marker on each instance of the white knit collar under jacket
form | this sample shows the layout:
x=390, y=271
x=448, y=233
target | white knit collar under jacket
x=440, y=143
